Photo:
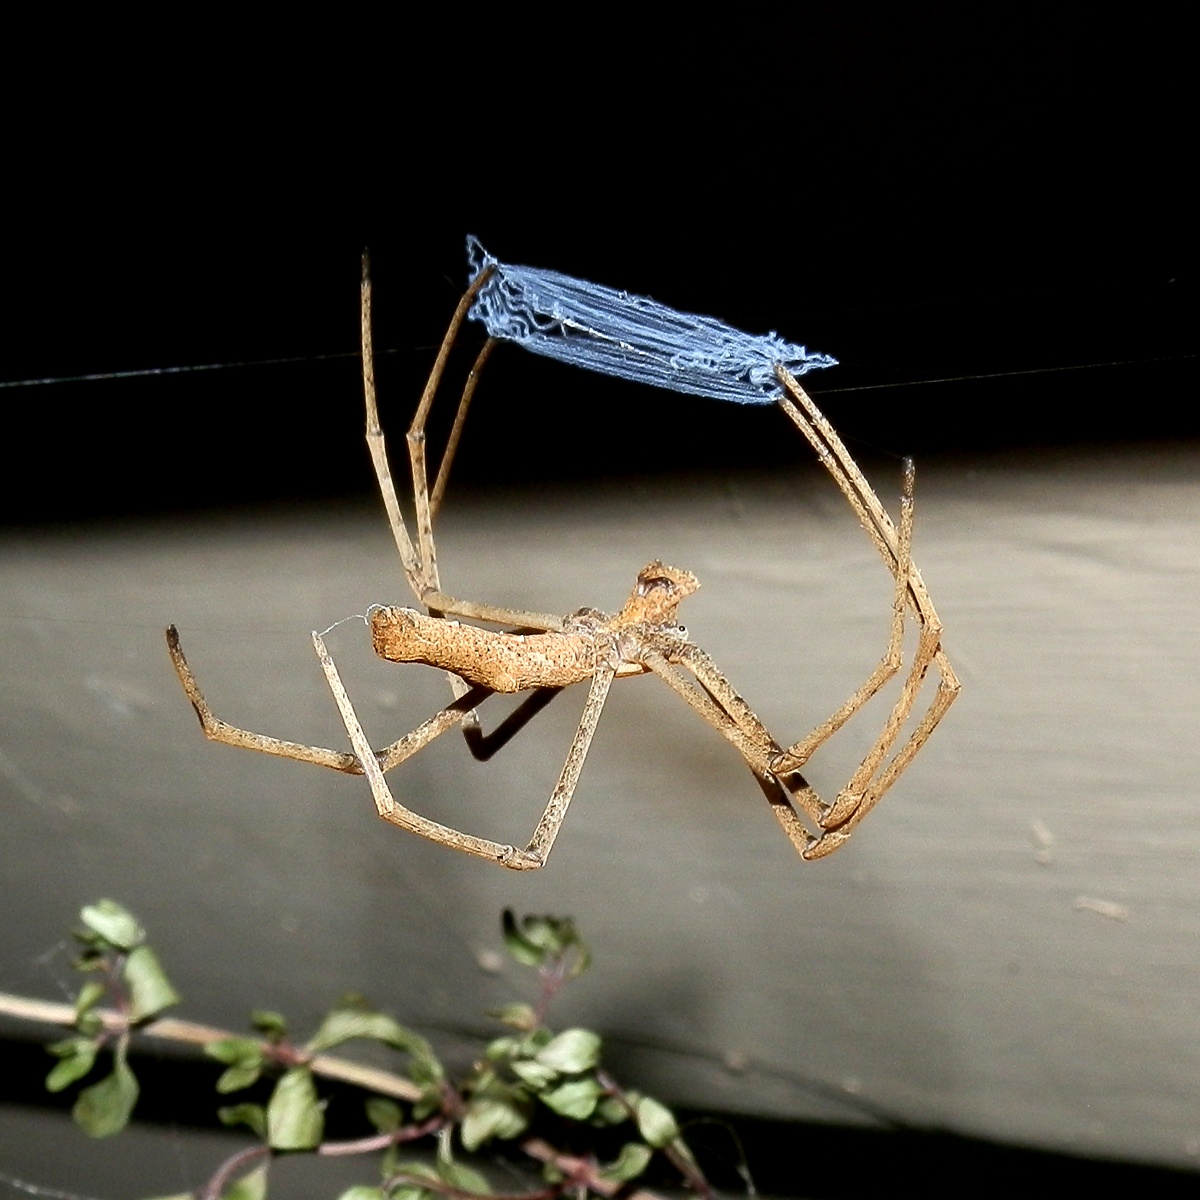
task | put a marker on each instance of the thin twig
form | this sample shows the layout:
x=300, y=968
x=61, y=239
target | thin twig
x=229, y=1168
x=581, y=1170
x=381, y=1141
x=171, y=1029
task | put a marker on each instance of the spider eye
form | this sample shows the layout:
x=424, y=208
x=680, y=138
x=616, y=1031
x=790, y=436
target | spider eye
x=647, y=585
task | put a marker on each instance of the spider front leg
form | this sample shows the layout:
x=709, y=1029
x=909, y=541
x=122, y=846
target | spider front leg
x=870, y=782
x=799, y=753
x=390, y=809
x=419, y=559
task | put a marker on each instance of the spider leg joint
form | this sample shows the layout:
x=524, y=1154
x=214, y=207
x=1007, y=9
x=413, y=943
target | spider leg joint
x=825, y=845
x=520, y=860
x=842, y=810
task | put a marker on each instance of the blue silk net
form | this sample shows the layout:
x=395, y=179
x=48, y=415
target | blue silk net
x=632, y=337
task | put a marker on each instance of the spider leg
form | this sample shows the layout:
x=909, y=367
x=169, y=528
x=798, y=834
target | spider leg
x=836, y=459
x=217, y=730
x=460, y=417
x=540, y=844
x=870, y=782
x=800, y=753
x=547, y=828
x=419, y=560
x=420, y=568
x=484, y=745
x=725, y=710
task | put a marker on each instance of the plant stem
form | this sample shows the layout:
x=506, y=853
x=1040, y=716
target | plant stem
x=171, y=1029
x=229, y=1168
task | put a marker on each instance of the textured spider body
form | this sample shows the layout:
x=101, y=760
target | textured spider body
x=542, y=653
x=517, y=662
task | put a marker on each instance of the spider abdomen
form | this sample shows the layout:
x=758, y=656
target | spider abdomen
x=504, y=662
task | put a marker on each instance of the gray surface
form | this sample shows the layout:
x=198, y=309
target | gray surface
x=938, y=969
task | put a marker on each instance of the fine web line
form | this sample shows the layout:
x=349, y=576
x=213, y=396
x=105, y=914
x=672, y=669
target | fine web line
x=889, y=385
x=1089, y=366
x=612, y=332
x=196, y=368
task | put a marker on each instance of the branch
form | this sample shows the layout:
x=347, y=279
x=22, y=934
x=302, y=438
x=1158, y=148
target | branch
x=384, y=1083
x=580, y=1170
x=371, y=1079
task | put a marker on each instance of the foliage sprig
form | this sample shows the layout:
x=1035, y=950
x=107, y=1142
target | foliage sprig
x=529, y=1076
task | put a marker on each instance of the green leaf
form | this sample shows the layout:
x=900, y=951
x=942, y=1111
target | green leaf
x=503, y=1047
x=104, y=1108
x=610, y=1111
x=384, y=1114
x=92, y=956
x=536, y=941
x=418, y=1170
x=424, y=1067
x=490, y=1117
x=114, y=924
x=483, y=1079
x=70, y=1046
x=89, y=1024
x=412, y=1191
x=342, y=1024
x=527, y=952
x=249, y=1187
x=581, y=961
x=464, y=1178
x=537, y=1040
x=150, y=990
x=245, y=1060
x=571, y=1051
x=631, y=1162
x=89, y=996
x=362, y=1192
x=78, y=1056
x=516, y=1016
x=656, y=1122
x=235, y=1051
x=547, y=933
x=575, y=1099
x=538, y=1077
x=234, y=1079
x=69, y=1071
x=252, y=1115
x=429, y=1103
x=270, y=1024
x=294, y=1117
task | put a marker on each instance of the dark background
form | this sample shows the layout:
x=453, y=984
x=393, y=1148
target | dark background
x=924, y=191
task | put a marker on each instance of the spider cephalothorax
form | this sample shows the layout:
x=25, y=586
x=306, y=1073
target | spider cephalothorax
x=659, y=591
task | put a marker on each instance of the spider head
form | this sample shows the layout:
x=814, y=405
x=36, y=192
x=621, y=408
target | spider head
x=657, y=594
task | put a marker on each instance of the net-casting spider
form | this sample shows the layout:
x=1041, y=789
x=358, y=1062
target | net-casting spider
x=541, y=653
